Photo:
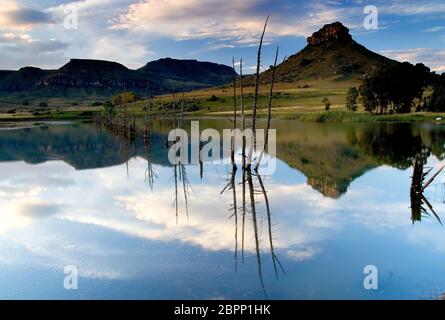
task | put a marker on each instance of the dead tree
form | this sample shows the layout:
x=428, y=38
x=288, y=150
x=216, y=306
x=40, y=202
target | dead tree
x=269, y=109
x=257, y=84
x=233, y=138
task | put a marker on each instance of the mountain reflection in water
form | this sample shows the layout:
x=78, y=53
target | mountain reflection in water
x=273, y=225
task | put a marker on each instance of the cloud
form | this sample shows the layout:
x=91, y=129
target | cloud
x=39, y=46
x=19, y=44
x=413, y=8
x=125, y=51
x=19, y=49
x=39, y=209
x=14, y=16
x=21, y=207
x=302, y=253
x=434, y=29
x=29, y=16
x=91, y=12
x=231, y=22
x=433, y=58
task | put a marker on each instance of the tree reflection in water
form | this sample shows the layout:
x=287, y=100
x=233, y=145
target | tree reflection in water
x=420, y=206
x=247, y=179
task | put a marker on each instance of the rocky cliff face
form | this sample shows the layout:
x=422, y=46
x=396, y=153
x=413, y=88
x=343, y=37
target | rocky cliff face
x=82, y=77
x=79, y=73
x=334, y=31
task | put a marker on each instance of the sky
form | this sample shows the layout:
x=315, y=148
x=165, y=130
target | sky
x=43, y=33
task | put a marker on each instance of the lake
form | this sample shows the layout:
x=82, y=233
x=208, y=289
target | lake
x=136, y=227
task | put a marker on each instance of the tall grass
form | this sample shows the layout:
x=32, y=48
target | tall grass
x=347, y=116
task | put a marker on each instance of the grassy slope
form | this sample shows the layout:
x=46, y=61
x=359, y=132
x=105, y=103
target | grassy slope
x=304, y=103
x=286, y=98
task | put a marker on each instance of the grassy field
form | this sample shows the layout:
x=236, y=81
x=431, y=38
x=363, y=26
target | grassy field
x=219, y=101
x=301, y=101
x=347, y=116
x=79, y=113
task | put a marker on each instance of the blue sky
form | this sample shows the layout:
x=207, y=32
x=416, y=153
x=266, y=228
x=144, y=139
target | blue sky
x=134, y=32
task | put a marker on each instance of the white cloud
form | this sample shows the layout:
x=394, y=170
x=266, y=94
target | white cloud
x=302, y=253
x=434, y=29
x=231, y=22
x=122, y=50
x=435, y=59
x=413, y=8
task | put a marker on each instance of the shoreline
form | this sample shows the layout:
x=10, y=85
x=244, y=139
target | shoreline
x=333, y=116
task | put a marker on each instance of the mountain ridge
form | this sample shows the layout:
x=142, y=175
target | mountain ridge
x=107, y=77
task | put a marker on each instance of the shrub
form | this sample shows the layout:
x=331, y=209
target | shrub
x=213, y=98
x=327, y=103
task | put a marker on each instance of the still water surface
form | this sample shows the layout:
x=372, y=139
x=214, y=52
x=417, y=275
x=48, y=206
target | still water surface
x=137, y=227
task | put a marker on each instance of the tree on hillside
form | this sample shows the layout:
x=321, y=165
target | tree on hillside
x=373, y=93
x=109, y=108
x=124, y=97
x=351, y=99
x=407, y=83
x=437, y=102
x=396, y=87
x=327, y=103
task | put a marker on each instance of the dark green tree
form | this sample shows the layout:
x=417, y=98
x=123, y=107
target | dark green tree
x=109, y=108
x=407, y=83
x=396, y=87
x=351, y=99
x=437, y=102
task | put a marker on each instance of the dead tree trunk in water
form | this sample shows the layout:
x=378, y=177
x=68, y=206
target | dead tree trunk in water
x=257, y=84
x=243, y=117
x=147, y=112
x=255, y=228
x=275, y=260
x=232, y=151
x=269, y=109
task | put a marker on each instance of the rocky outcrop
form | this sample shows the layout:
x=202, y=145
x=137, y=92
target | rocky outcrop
x=330, y=54
x=330, y=32
x=82, y=77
